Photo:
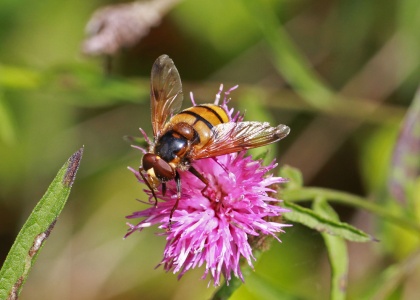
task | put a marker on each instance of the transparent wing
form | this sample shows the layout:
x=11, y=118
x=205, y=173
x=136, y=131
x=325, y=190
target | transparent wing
x=165, y=92
x=233, y=137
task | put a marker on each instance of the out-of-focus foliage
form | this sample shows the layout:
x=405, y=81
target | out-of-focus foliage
x=406, y=161
x=362, y=56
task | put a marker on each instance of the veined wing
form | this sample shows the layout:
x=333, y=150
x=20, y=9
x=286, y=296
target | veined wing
x=165, y=92
x=236, y=136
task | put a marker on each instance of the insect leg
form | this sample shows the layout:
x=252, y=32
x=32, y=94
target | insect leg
x=178, y=196
x=148, y=185
x=199, y=176
x=163, y=188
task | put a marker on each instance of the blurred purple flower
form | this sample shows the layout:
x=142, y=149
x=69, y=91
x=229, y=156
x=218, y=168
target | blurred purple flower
x=123, y=25
x=405, y=164
x=212, y=227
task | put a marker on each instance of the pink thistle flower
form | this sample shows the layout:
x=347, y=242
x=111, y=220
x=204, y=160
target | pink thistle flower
x=213, y=226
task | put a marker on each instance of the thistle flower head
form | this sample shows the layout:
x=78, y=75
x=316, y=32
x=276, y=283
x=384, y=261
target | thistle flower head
x=212, y=226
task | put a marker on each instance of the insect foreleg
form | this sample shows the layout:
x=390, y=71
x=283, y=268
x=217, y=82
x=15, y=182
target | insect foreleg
x=163, y=188
x=178, y=196
x=199, y=176
x=148, y=185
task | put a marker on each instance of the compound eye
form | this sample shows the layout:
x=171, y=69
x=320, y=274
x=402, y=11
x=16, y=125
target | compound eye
x=163, y=170
x=149, y=160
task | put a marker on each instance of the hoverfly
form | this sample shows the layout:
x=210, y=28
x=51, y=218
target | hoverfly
x=201, y=131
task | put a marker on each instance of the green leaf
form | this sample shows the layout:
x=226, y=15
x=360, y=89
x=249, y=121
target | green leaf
x=337, y=251
x=36, y=230
x=310, y=193
x=316, y=221
x=293, y=175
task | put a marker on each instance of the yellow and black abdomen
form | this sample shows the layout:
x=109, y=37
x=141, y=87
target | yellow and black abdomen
x=202, y=118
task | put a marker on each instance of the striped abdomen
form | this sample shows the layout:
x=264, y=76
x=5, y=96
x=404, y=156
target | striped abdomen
x=202, y=118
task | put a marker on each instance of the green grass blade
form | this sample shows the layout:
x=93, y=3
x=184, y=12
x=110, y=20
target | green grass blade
x=288, y=59
x=36, y=230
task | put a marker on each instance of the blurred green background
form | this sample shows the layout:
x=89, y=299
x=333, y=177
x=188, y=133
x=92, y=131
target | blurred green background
x=341, y=74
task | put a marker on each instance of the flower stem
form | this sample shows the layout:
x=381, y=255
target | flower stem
x=226, y=291
x=302, y=194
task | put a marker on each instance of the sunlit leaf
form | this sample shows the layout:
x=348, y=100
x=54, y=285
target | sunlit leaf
x=36, y=230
